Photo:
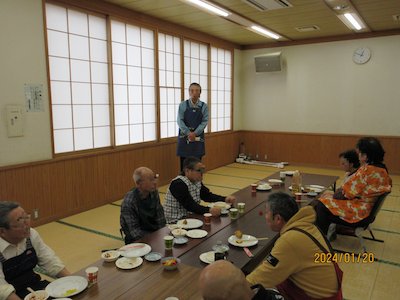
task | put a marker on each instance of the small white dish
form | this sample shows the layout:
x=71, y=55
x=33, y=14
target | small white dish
x=39, y=295
x=179, y=232
x=290, y=188
x=197, y=233
x=153, y=256
x=289, y=173
x=180, y=240
x=110, y=256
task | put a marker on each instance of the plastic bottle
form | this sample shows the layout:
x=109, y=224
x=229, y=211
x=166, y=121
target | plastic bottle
x=296, y=182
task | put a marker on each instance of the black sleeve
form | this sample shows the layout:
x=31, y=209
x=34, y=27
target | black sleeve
x=206, y=195
x=181, y=193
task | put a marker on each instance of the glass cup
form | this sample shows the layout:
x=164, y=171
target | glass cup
x=241, y=207
x=91, y=274
x=207, y=218
x=282, y=176
x=169, y=242
x=234, y=213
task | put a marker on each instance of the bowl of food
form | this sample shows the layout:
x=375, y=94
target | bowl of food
x=110, y=256
x=179, y=232
x=38, y=295
x=170, y=263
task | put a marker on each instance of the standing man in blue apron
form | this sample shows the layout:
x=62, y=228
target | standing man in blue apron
x=192, y=120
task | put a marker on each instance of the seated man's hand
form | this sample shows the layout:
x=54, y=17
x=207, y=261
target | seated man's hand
x=215, y=211
x=230, y=199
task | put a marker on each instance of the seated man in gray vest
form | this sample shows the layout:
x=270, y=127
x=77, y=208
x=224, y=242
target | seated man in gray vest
x=141, y=210
x=187, y=190
x=21, y=249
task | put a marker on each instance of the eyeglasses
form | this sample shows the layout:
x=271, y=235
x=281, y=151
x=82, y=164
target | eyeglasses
x=21, y=221
x=200, y=170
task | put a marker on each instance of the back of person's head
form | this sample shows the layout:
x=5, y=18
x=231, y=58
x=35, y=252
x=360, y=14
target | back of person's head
x=221, y=280
x=189, y=163
x=5, y=208
x=283, y=204
x=352, y=157
x=372, y=147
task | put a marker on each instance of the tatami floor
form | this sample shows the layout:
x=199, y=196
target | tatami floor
x=79, y=239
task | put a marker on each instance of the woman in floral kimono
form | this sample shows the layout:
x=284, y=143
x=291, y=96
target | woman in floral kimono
x=354, y=200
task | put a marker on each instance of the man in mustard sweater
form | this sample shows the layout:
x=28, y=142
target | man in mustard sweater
x=293, y=266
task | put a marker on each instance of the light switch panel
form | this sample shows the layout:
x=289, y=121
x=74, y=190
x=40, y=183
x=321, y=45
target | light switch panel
x=14, y=115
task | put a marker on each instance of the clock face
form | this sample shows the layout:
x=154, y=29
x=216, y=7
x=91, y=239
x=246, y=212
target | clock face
x=361, y=55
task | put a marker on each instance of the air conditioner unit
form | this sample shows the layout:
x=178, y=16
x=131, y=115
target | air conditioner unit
x=264, y=5
x=270, y=62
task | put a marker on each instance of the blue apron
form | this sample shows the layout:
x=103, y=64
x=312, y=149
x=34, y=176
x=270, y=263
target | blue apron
x=18, y=271
x=192, y=118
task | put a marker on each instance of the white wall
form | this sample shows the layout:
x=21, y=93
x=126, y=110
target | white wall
x=321, y=90
x=22, y=53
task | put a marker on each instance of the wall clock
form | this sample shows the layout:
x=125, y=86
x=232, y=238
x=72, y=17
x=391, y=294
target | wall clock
x=361, y=55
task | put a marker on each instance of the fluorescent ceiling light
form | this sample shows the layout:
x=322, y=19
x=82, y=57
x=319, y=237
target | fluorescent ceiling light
x=353, y=21
x=210, y=7
x=265, y=32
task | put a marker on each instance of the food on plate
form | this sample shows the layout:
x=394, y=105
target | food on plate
x=184, y=222
x=107, y=255
x=69, y=292
x=170, y=262
x=238, y=234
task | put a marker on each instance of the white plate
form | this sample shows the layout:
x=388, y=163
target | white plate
x=191, y=223
x=197, y=233
x=207, y=257
x=220, y=204
x=66, y=286
x=126, y=263
x=224, y=211
x=290, y=188
x=264, y=187
x=135, y=250
x=247, y=241
x=289, y=173
x=275, y=181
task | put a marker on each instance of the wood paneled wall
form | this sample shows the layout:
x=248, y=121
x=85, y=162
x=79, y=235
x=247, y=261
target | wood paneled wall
x=312, y=149
x=66, y=186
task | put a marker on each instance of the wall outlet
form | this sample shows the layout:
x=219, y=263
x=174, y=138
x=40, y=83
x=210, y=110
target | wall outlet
x=36, y=214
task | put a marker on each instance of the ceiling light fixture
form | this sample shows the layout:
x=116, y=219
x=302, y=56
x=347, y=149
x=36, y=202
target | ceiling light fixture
x=265, y=32
x=347, y=13
x=210, y=7
x=353, y=21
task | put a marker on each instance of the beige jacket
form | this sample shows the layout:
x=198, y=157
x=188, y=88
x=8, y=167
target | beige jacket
x=295, y=252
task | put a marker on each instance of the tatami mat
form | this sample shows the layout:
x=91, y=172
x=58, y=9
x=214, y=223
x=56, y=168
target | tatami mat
x=79, y=239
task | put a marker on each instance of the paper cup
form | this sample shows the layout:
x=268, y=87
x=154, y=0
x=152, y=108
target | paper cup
x=91, y=274
x=298, y=196
x=254, y=187
x=207, y=218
